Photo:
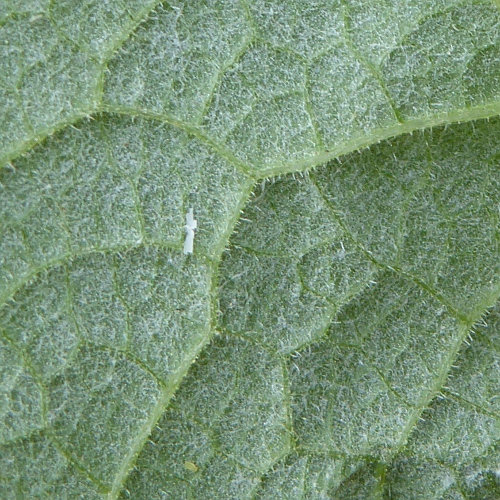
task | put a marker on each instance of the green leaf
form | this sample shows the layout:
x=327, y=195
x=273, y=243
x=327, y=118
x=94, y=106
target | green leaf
x=345, y=343
x=368, y=301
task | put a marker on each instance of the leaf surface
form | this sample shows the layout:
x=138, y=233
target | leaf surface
x=325, y=355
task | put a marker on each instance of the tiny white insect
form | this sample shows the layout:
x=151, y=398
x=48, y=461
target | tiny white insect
x=191, y=225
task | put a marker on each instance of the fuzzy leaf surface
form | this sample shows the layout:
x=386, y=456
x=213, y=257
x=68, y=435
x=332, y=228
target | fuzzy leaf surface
x=345, y=343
